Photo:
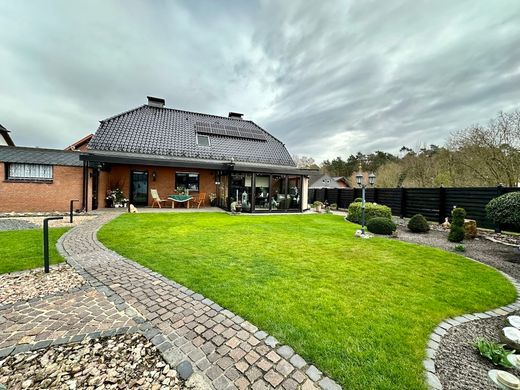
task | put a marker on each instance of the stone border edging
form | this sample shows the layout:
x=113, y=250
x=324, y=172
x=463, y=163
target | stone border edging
x=438, y=333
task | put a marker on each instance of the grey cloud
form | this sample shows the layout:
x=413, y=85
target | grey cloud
x=327, y=78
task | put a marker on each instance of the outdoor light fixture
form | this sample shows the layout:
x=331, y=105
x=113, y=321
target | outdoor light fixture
x=154, y=175
x=361, y=183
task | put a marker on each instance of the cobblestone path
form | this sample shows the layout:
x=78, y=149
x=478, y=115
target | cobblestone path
x=58, y=319
x=226, y=350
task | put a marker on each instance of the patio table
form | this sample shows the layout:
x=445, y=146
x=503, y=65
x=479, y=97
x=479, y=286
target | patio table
x=180, y=199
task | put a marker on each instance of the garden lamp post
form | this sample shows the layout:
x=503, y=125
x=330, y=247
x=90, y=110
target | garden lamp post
x=361, y=183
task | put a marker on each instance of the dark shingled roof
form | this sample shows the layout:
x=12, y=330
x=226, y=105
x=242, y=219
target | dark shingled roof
x=170, y=132
x=15, y=154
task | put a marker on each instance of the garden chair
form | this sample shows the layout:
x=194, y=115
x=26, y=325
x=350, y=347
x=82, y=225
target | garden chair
x=199, y=200
x=156, y=198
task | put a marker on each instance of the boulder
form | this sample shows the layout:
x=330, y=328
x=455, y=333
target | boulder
x=470, y=228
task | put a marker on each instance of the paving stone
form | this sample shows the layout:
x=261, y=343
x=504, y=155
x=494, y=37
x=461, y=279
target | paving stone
x=285, y=351
x=297, y=361
x=214, y=372
x=433, y=381
x=260, y=335
x=313, y=373
x=273, y=356
x=284, y=367
x=271, y=341
x=329, y=384
x=273, y=378
x=253, y=373
x=290, y=384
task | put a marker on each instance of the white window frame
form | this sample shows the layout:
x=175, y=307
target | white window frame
x=205, y=136
x=29, y=172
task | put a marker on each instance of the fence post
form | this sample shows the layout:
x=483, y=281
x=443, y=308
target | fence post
x=442, y=204
x=403, y=202
x=500, y=191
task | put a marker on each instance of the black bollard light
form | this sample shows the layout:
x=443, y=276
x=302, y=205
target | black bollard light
x=46, y=242
x=71, y=208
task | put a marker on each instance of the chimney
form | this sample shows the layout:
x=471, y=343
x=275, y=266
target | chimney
x=156, y=102
x=236, y=115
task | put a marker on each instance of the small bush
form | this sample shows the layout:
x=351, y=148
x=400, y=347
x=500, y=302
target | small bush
x=371, y=211
x=494, y=352
x=418, y=224
x=459, y=248
x=457, y=216
x=456, y=234
x=380, y=225
x=317, y=203
x=358, y=200
x=334, y=206
x=505, y=209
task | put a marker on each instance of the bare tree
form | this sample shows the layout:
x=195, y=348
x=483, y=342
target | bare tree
x=305, y=162
x=491, y=153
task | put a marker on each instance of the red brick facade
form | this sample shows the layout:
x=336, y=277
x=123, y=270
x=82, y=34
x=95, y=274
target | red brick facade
x=30, y=196
x=119, y=177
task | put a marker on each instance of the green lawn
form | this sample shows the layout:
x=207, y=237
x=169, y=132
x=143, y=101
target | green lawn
x=23, y=249
x=361, y=310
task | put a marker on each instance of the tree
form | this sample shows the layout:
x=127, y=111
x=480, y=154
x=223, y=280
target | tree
x=491, y=153
x=305, y=162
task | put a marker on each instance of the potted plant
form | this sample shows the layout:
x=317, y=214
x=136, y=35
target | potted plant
x=317, y=204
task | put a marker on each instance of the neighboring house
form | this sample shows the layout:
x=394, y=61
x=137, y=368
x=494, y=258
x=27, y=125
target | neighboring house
x=80, y=145
x=5, y=139
x=35, y=179
x=319, y=180
x=155, y=147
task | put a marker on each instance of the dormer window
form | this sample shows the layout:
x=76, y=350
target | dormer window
x=202, y=140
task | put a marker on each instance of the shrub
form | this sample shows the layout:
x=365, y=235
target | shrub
x=460, y=248
x=317, y=203
x=457, y=216
x=381, y=225
x=418, y=224
x=358, y=200
x=371, y=211
x=493, y=351
x=457, y=231
x=505, y=209
x=334, y=206
x=456, y=234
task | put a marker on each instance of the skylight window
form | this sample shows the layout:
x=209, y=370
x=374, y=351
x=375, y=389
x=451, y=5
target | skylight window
x=202, y=140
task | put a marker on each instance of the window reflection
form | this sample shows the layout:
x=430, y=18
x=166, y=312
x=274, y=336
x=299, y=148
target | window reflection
x=262, y=192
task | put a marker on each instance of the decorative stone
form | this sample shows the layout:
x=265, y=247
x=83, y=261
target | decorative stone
x=511, y=337
x=184, y=369
x=513, y=321
x=470, y=228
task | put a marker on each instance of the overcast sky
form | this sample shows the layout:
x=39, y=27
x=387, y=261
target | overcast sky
x=328, y=78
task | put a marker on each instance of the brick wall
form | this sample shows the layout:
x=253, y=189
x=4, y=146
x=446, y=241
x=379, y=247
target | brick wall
x=67, y=184
x=119, y=176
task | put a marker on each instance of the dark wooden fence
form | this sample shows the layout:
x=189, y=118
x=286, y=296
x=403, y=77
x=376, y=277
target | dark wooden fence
x=434, y=203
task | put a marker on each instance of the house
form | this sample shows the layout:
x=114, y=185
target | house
x=319, y=180
x=80, y=145
x=35, y=179
x=226, y=158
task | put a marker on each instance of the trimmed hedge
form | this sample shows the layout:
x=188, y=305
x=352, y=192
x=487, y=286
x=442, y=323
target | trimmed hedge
x=418, y=224
x=457, y=232
x=505, y=209
x=380, y=225
x=372, y=210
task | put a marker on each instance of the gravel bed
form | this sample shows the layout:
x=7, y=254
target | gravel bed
x=121, y=362
x=34, y=283
x=15, y=224
x=32, y=222
x=458, y=364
